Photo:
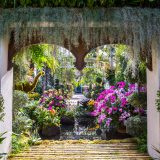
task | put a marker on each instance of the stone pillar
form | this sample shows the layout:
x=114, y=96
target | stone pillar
x=153, y=116
x=6, y=87
x=3, y=57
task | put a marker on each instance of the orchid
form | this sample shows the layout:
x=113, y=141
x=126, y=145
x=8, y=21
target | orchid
x=112, y=104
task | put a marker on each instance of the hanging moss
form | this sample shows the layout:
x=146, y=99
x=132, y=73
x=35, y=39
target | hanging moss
x=132, y=26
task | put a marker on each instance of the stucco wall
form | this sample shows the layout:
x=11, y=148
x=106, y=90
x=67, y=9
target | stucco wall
x=3, y=56
x=153, y=116
x=6, y=90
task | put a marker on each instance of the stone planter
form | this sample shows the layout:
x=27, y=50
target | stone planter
x=50, y=132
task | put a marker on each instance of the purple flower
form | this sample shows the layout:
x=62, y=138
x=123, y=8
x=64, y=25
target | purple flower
x=132, y=87
x=121, y=84
x=101, y=118
x=94, y=113
x=50, y=108
x=108, y=121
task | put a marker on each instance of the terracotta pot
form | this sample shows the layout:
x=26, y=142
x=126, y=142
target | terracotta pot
x=50, y=132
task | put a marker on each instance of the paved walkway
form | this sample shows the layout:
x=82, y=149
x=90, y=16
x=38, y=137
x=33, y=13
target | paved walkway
x=83, y=150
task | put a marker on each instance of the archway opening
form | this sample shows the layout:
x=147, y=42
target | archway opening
x=78, y=91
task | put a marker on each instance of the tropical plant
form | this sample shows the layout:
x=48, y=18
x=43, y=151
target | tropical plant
x=44, y=117
x=40, y=55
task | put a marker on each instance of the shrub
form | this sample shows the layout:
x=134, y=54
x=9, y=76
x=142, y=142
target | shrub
x=20, y=100
x=136, y=125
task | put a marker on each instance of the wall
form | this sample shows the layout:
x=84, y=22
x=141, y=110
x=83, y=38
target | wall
x=3, y=56
x=6, y=91
x=153, y=117
x=6, y=82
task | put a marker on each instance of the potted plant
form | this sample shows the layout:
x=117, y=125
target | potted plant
x=48, y=122
x=112, y=108
x=52, y=109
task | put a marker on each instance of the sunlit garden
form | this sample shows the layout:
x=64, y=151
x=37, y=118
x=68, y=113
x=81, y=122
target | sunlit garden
x=79, y=79
x=52, y=100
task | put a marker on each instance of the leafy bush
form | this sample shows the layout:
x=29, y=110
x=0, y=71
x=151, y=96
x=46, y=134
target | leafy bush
x=21, y=123
x=139, y=100
x=142, y=143
x=20, y=100
x=136, y=125
x=19, y=142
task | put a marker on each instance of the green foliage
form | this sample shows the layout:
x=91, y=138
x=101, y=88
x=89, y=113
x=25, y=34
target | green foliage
x=136, y=74
x=138, y=100
x=158, y=100
x=136, y=125
x=19, y=143
x=142, y=143
x=40, y=55
x=78, y=3
x=1, y=108
x=20, y=100
x=26, y=86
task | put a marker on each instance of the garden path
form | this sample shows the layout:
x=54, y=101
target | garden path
x=83, y=150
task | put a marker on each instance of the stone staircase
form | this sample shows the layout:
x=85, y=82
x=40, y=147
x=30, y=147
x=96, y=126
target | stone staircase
x=82, y=150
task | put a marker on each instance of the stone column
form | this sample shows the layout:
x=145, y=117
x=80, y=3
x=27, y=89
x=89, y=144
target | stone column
x=6, y=87
x=153, y=116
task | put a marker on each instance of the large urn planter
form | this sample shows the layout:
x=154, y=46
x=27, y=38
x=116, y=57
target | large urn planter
x=50, y=132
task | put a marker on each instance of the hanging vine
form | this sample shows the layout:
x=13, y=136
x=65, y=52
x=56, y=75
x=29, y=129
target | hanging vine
x=132, y=26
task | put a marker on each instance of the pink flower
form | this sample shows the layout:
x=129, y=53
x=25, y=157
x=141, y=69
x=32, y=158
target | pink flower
x=108, y=121
x=94, y=113
x=109, y=110
x=121, y=110
x=50, y=108
x=121, y=84
x=123, y=102
x=115, y=108
x=128, y=93
x=113, y=98
x=101, y=118
x=132, y=87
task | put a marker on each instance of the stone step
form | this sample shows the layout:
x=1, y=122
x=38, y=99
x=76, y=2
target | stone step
x=72, y=150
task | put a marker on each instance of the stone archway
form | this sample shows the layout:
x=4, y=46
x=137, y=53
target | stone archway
x=115, y=29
